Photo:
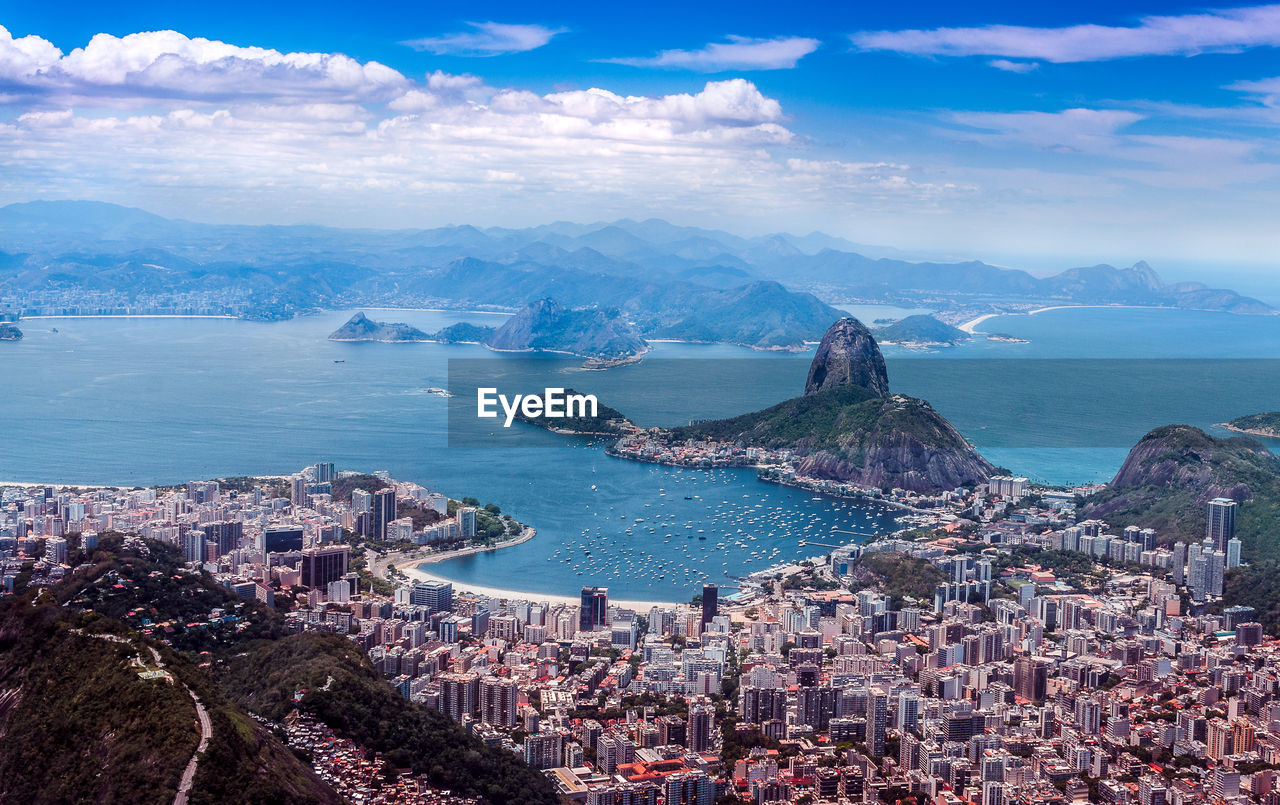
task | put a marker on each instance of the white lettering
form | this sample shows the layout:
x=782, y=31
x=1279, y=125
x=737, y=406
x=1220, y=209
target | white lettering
x=484, y=401
x=553, y=403
x=510, y=408
x=582, y=400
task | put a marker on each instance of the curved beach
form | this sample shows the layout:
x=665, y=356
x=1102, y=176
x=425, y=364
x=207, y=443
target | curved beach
x=413, y=568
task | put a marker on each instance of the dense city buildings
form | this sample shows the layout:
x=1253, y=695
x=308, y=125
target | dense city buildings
x=976, y=665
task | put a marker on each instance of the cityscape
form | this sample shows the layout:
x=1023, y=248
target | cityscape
x=670, y=404
x=1011, y=653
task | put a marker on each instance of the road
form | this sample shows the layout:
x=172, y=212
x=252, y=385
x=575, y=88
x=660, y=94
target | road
x=206, y=732
x=202, y=719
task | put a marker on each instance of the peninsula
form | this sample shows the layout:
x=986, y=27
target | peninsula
x=1266, y=425
x=846, y=429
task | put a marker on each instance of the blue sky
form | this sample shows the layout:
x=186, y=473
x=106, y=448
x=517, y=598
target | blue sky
x=1037, y=136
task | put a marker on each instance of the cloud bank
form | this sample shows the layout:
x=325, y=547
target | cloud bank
x=211, y=130
x=167, y=64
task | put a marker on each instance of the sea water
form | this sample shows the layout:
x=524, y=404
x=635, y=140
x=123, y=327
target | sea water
x=146, y=401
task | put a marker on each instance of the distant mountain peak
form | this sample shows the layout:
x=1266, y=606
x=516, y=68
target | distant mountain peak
x=590, y=332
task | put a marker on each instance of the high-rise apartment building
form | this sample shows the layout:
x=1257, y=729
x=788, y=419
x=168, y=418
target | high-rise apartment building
x=1220, y=522
x=382, y=513
x=1030, y=678
x=499, y=699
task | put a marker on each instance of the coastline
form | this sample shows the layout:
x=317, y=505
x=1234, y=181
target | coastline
x=132, y=316
x=412, y=567
x=436, y=310
x=1100, y=307
x=29, y=484
x=1265, y=434
x=969, y=326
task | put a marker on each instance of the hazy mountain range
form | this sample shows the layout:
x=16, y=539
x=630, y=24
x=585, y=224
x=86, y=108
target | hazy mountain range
x=671, y=281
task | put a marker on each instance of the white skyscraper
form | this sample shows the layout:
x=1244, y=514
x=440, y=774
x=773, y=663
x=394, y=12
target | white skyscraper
x=1233, y=552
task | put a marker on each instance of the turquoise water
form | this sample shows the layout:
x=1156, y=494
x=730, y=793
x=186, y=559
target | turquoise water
x=142, y=401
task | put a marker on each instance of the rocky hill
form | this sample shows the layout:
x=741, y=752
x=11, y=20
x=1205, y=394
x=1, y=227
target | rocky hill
x=848, y=356
x=608, y=422
x=921, y=330
x=1173, y=471
x=464, y=333
x=361, y=328
x=848, y=427
x=547, y=325
x=761, y=315
x=74, y=702
x=79, y=723
x=542, y=326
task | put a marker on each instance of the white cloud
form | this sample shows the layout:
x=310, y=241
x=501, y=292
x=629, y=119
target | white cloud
x=167, y=64
x=739, y=53
x=1106, y=138
x=1071, y=130
x=244, y=129
x=1014, y=66
x=213, y=131
x=1266, y=90
x=25, y=56
x=1183, y=35
x=488, y=39
x=735, y=102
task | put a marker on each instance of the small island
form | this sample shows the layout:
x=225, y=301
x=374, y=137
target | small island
x=361, y=328
x=9, y=332
x=1267, y=425
x=1005, y=338
x=920, y=331
x=601, y=335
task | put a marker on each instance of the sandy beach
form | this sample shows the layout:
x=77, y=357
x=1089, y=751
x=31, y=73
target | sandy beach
x=411, y=567
x=1265, y=434
x=969, y=326
x=1096, y=307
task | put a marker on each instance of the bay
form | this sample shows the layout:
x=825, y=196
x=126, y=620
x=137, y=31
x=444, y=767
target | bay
x=145, y=401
